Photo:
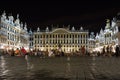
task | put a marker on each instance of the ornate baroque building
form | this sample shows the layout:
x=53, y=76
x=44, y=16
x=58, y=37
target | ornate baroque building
x=13, y=34
x=62, y=39
x=91, y=42
x=108, y=36
x=72, y=40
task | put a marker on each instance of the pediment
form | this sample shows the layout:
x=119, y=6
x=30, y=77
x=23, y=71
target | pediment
x=60, y=30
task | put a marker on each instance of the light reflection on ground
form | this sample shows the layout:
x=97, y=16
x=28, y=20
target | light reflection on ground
x=59, y=68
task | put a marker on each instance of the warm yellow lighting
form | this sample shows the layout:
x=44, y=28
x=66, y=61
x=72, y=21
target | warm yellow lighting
x=42, y=49
x=98, y=49
x=26, y=48
x=2, y=47
x=31, y=49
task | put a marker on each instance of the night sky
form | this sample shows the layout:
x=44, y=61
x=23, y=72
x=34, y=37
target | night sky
x=91, y=14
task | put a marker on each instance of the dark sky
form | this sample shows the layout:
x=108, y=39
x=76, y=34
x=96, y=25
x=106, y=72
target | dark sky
x=91, y=14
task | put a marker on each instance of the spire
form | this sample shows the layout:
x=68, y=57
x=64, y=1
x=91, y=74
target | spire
x=30, y=31
x=114, y=19
x=101, y=31
x=68, y=26
x=38, y=29
x=107, y=24
x=25, y=27
x=17, y=21
x=81, y=28
x=3, y=16
x=73, y=29
x=10, y=17
x=47, y=29
x=113, y=22
x=17, y=16
x=21, y=25
x=4, y=13
x=92, y=36
x=97, y=36
x=25, y=24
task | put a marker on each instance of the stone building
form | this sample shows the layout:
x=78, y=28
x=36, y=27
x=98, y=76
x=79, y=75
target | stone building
x=13, y=34
x=62, y=39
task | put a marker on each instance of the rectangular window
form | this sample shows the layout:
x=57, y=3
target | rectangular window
x=35, y=36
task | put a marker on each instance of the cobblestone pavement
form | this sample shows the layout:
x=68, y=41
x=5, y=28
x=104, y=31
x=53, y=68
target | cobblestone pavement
x=59, y=68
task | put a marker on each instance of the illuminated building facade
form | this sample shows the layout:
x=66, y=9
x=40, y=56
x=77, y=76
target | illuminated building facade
x=62, y=39
x=91, y=42
x=108, y=36
x=13, y=34
x=30, y=40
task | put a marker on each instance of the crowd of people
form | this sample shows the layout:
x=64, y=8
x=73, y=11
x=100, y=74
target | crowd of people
x=109, y=51
x=106, y=51
x=17, y=52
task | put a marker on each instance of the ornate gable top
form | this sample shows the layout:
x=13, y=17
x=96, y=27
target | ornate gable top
x=25, y=27
x=47, y=29
x=81, y=28
x=107, y=24
x=60, y=30
x=73, y=28
x=30, y=31
x=38, y=29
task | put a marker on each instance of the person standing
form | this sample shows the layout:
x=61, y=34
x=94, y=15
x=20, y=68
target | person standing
x=83, y=51
x=12, y=52
x=17, y=52
x=111, y=50
x=23, y=51
x=117, y=50
x=103, y=51
x=107, y=50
